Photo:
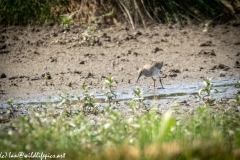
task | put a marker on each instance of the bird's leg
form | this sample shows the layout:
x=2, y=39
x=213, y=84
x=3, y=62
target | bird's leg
x=154, y=82
x=160, y=81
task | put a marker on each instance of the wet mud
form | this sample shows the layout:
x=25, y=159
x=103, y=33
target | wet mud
x=41, y=61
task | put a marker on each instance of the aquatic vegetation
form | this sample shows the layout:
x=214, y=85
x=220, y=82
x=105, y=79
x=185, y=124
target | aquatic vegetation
x=237, y=85
x=123, y=134
x=109, y=88
x=88, y=105
x=236, y=99
x=137, y=100
x=207, y=89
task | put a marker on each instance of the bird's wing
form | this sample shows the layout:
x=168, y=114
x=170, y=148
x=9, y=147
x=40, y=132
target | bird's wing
x=158, y=64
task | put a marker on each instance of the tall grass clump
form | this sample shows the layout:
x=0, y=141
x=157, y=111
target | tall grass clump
x=182, y=11
x=134, y=12
x=141, y=13
x=22, y=12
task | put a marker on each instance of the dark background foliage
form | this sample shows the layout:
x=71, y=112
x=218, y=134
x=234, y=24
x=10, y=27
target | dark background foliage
x=135, y=12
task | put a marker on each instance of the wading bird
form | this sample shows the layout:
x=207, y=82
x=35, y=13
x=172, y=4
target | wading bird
x=151, y=70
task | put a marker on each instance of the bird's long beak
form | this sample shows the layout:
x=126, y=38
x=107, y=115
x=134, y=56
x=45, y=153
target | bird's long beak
x=138, y=76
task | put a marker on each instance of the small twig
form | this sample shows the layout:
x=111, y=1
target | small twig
x=127, y=11
x=136, y=5
x=144, y=7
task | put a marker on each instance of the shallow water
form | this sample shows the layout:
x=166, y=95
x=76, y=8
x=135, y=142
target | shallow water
x=225, y=89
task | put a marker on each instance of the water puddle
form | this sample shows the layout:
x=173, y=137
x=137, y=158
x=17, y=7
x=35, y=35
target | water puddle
x=171, y=91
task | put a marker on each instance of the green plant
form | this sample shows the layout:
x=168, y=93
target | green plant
x=109, y=88
x=48, y=77
x=236, y=99
x=206, y=89
x=88, y=105
x=137, y=100
x=237, y=85
x=65, y=98
x=64, y=102
x=9, y=102
x=207, y=26
x=66, y=20
x=87, y=36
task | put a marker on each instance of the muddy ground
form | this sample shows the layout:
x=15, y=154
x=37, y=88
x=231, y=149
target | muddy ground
x=38, y=61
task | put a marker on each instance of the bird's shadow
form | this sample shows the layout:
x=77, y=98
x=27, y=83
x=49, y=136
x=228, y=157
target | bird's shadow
x=160, y=88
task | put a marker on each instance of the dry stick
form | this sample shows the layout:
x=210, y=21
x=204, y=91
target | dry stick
x=124, y=13
x=165, y=12
x=129, y=15
x=175, y=16
x=136, y=5
x=228, y=6
x=188, y=11
x=155, y=14
x=144, y=7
